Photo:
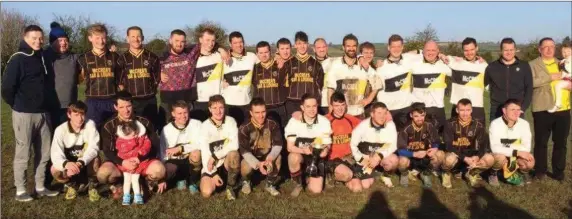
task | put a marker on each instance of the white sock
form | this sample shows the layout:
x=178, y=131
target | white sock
x=126, y=183
x=20, y=192
x=40, y=189
x=135, y=183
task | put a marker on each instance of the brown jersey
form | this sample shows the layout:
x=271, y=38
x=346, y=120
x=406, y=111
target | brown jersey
x=140, y=73
x=268, y=83
x=304, y=75
x=101, y=73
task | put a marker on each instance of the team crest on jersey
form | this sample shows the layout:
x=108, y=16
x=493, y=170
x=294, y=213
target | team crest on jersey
x=424, y=135
x=309, y=68
x=146, y=63
x=109, y=62
x=275, y=74
x=517, y=69
x=470, y=134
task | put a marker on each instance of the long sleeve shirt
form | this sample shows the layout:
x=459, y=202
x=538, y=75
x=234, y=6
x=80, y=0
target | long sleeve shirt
x=509, y=140
x=108, y=137
x=303, y=134
x=259, y=141
x=238, y=75
x=429, y=83
x=217, y=142
x=467, y=80
x=303, y=75
x=413, y=138
x=368, y=138
x=69, y=146
x=187, y=138
x=466, y=139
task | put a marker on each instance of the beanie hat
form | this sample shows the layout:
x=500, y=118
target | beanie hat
x=56, y=32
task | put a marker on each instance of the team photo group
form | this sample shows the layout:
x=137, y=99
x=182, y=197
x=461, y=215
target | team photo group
x=205, y=117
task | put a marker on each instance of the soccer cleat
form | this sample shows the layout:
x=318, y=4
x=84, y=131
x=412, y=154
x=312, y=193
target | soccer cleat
x=474, y=180
x=446, y=177
x=387, y=181
x=94, y=195
x=272, y=190
x=126, y=199
x=116, y=191
x=194, y=189
x=47, y=192
x=82, y=188
x=24, y=197
x=71, y=193
x=426, y=178
x=246, y=189
x=230, y=194
x=413, y=175
x=297, y=190
x=181, y=185
x=138, y=200
x=494, y=180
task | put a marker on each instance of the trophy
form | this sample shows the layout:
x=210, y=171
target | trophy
x=316, y=165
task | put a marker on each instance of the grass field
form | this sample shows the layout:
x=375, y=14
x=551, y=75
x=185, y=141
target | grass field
x=546, y=199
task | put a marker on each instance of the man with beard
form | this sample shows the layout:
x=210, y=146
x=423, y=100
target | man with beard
x=418, y=147
x=304, y=75
x=268, y=83
x=308, y=143
x=348, y=77
x=429, y=83
x=468, y=78
x=237, y=78
x=140, y=75
x=321, y=54
x=396, y=76
x=260, y=142
x=467, y=146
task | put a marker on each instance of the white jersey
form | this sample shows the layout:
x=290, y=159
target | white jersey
x=238, y=75
x=70, y=146
x=367, y=139
x=354, y=82
x=326, y=65
x=304, y=135
x=506, y=141
x=467, y=80
x=209, y=76
x=188, y=137
x=397, y=82
x=429, y=83
x=217, y=142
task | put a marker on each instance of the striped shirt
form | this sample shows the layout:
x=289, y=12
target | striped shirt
x=209, y=76
x=268, y=83
x=238, y=75
x=101, y=72
x=467, y=80
x=397, y=82
x=429, y=83
x=140, y=73
x=413, y=138
x=304, y=75
x=353, y=81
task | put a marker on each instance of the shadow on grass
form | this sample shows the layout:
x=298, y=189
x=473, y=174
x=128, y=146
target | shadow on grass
x=492, y=207
x=570, y=209
x=430, y=207
x=376, y=207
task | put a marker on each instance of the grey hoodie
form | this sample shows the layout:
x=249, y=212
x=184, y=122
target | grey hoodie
x=66, y=70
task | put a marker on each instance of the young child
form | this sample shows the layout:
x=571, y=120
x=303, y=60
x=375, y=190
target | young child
x=132, y=142
x=565, y=83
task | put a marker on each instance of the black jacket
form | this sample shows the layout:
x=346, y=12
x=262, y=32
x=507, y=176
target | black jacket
x=27, y=85
x=108, y=137
x=509, y=81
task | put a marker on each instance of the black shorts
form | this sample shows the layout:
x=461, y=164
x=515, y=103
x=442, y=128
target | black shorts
x=333, y=164
x=291, y=107
x=241, y=114
x=278, y=114
x=183, y=169
x=419, y=164
x=200, y=111
x=400, y=118
x=438, y=116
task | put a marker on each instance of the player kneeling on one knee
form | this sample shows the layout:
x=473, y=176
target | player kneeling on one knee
x=308, y=141
x=418, y=146
x=74, y=153
x=373, y=144
x=260, y=143
x=219, y=145
x=510, y=140
x=467, y=146
x=180, y=148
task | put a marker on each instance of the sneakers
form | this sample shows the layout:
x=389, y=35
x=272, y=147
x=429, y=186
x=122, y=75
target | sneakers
x=494, y=180
x=387, y=181
x=404, y=180
x=126, y=199
x=272, y=190
x=47, y=192
x=246, y=189
x=181, y=185
x=426, y=178
x=230, y=194
x=413, y=175
x=24, y=197
x=71, y=193
x=474, y=180
x=194, y=189
x=446, y=177
x=93, y=195
x=297, y=190
x=116, y=191
x=138, y=200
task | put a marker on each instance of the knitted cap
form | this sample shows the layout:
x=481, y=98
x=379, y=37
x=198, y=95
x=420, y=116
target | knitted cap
x=56, y=32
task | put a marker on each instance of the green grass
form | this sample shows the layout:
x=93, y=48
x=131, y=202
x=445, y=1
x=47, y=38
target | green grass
x=546, y=199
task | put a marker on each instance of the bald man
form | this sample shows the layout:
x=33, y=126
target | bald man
x=428, y=75
x=321, y=54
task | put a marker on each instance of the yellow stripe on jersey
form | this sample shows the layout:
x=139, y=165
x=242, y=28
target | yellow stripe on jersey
x=217, y=73
x=439, y=82
x=247, y=80
x=362, y=84
x=408, y=82
x=477, y=82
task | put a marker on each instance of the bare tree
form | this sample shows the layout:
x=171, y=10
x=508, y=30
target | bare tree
x=429, y=33
x=12, y=27
x=193, y=33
